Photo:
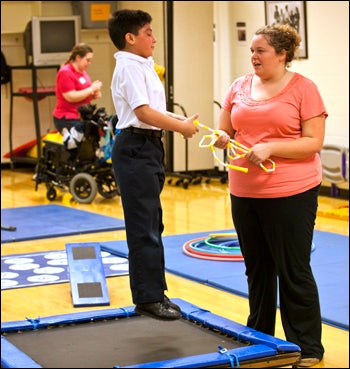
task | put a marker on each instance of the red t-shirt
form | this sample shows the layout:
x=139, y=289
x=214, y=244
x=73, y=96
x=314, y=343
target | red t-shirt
x=69, y=79
x=274, y=119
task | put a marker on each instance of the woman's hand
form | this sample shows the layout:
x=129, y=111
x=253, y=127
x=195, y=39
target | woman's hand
x=95, y=87
x=222, y=139
x=93, y=91
x=97, y=95
x=259, y=153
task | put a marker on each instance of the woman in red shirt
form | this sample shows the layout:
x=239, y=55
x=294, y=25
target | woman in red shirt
x=74, y=88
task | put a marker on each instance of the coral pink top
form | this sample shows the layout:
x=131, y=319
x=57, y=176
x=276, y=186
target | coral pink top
x=276, y=119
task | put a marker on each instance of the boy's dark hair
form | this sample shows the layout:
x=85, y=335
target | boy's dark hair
x=126, y=21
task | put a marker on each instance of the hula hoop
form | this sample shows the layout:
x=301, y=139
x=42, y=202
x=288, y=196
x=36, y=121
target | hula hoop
x=205, y=248
x=213, y=258
x=225, y=243
x=208, y=248
x=200, y=247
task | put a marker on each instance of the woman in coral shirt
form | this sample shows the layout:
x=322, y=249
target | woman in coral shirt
x=280, y=116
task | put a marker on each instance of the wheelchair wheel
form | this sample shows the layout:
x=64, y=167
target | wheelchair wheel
x=51, y=193
x=107, y=186
x=83, y=188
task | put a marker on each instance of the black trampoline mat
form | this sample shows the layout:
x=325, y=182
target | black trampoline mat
x=118, y=342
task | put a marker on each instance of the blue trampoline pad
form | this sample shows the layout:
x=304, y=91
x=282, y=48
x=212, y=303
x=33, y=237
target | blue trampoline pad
x=121, y=338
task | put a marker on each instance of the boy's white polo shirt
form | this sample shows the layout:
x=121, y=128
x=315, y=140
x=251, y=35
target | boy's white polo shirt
x=135, y=83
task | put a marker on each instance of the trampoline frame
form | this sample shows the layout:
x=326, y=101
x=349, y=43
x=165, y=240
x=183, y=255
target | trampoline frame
x=264, y=350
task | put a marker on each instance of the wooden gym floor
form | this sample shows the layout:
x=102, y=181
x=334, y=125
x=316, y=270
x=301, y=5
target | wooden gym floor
x=199, y=208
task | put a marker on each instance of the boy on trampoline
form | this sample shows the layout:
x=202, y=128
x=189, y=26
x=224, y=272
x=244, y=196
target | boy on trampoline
x=137, y=157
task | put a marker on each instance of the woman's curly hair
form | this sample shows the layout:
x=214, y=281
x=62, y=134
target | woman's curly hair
x=282, y=37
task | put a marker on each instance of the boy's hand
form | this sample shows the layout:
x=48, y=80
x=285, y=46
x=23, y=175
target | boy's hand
x=189, y=127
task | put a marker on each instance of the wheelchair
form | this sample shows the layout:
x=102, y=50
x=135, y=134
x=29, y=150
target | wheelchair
x=85, y=170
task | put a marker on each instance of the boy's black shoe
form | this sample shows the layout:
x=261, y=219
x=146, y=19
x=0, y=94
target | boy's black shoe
x=171, y=304
x=158, y=310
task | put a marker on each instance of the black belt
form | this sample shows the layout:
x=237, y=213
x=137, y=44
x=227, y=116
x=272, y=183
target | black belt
x=147, y=132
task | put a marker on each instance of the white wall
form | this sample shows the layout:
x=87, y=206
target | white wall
x=192, y=91
x=14, y=17
x=327, y=63
x=328, y=53
x=193, y=77
x=195, y=71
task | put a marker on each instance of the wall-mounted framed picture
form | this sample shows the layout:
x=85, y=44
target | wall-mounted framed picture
x=289, y=12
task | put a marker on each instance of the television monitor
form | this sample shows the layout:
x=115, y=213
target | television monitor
x=49, y=40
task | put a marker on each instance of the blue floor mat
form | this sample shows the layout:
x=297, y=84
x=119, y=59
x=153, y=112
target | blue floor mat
x=329, y=260
x=46, y=221
x=50, y=267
